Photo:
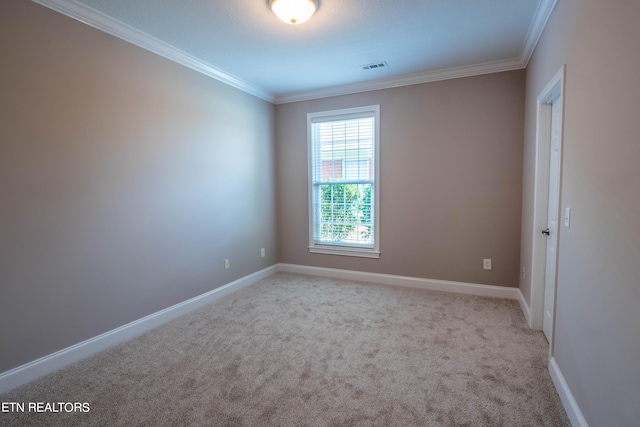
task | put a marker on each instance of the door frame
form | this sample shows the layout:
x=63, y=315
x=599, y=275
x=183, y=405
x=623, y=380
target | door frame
x=554, y=90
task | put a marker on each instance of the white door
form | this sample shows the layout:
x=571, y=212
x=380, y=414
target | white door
x=552, y=220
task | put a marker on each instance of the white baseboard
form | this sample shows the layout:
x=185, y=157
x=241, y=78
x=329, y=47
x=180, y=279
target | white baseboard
x=570, y=405
x=411, y=282
x=48, y=364
x=526, y=310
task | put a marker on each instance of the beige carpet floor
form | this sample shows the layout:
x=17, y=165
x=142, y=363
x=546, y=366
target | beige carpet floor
x=295, y=350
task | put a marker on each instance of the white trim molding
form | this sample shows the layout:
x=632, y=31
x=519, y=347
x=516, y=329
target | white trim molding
x=52, y=362
x=553, y=90
x=314, y=150
x=412, y=79
x=570, y=405
x=526, y=310
x=110, y=25
x=540, y=19
x=405, y=281
x=55, y=361
x=114, y=27
x=337, y=250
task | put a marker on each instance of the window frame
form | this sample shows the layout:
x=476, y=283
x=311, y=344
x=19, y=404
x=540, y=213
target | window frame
x=337, y=115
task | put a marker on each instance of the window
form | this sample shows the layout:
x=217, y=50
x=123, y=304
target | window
x=343, y=181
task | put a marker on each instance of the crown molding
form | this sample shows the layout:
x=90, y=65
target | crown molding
x=538, y=24
x=109, y=25
x=407, y=80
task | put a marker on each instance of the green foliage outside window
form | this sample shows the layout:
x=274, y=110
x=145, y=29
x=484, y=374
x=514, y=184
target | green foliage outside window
x=345, y=211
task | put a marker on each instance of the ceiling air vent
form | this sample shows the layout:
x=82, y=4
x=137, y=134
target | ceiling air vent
x=375, y=65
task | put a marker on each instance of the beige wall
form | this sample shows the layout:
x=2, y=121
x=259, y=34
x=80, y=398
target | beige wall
x=125, y=181
x=597, y=334
x=450, y=179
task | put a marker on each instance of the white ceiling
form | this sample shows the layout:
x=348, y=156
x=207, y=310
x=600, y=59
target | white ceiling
x=241, y=42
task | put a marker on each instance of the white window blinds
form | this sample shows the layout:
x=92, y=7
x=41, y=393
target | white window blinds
x=343, y=187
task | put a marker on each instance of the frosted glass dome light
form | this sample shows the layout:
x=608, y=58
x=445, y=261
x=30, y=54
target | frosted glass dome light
x=293, y=12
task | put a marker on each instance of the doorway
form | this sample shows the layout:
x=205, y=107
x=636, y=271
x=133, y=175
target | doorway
x=547, y=205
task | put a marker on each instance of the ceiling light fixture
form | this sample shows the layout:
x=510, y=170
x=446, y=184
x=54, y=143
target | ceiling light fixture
x=293, y=12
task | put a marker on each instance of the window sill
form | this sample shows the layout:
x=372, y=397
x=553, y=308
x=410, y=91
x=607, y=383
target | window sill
x=344, y=251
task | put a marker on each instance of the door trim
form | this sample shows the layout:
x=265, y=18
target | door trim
x=553, y=91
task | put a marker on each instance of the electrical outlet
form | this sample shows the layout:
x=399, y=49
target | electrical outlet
x=486, y=263
x=226, y=264
x=262, y=253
